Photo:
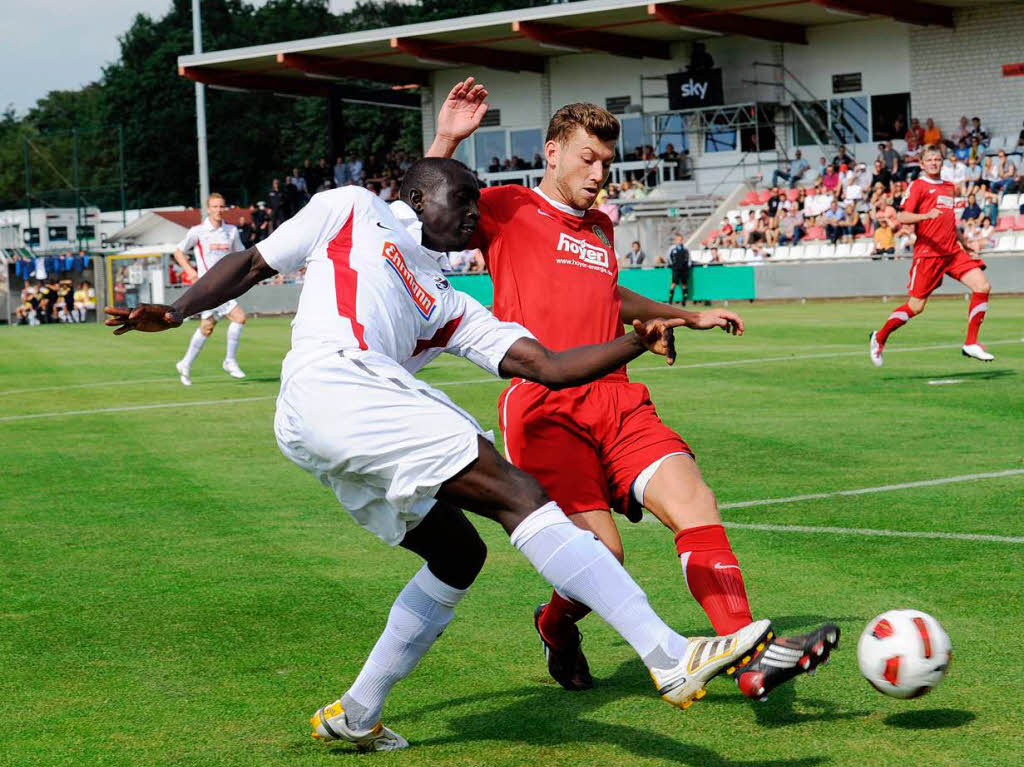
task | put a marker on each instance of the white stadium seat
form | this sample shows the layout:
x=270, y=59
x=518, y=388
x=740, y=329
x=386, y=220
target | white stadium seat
x=734, y=256
x=1019, y=242
x=843, y=250
x=781, y=253
x=1006, y=242
x=810, y=251
x=862, y=248
x=1009, y=202
x=827, y=251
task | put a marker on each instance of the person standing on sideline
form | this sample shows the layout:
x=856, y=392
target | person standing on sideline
x=212, y=240
x=679, y=262
x=940, y=249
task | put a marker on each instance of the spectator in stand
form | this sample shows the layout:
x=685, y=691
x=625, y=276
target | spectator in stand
x=276, y=199
x=538, y=162
x=973, y=176
x=495, y=166
x=911, y=165
x=885, y=240
x=355, y=169
x=889, y=158
x=843, y=158
x=466, y=261
x=986, y=235
x=775, y=202
x=341, y=177
x=979, y=131
x=300, y=184
x=791, y=228
x=852, y=189
x=972, y=211
x=1007, y=172
x=833, y=219
x=260, y=222
x=970, y=234
x=881, y=175
x=85, y=300
x=390, y=192
x=955, y=172
x=685, y=165
x=990, y=173
x=794, y=173
x=932, y=135
x=851, y=224
x=915, y=132
x=308, y=174
x=991, y=208
x=634, y=257
x=726, y=234
x=671, y=159
x=962, y=131
x=325, y=174
x=830, y=180
x=962, y=151
x=769, y=228
x=815, y=176
x=292, y=198
x=716, y=257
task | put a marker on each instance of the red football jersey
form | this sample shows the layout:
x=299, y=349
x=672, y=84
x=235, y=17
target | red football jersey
x=554, y=272
x=936, y=238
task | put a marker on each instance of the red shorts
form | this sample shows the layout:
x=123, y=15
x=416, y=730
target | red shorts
x=926, y=273
x=586, y=445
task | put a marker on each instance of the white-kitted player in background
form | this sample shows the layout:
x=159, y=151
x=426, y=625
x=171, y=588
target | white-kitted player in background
x=401, y=457
x=212, y=240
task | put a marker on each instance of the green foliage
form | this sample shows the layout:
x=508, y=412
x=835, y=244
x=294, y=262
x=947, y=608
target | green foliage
x=252, y=137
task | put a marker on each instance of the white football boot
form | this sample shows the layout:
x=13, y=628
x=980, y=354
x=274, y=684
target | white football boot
x=706, y=658
x=232, y=369
x=977, y=351
x=329, y=724
x=875, y=351
x=183, y=373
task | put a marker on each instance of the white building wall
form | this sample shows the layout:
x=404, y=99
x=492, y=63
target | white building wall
x=956, y=72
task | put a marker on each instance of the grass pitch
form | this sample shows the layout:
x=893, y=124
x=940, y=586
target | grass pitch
x=174, y=592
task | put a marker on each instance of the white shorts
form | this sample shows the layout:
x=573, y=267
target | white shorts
x=381, y=439
x=221, y=311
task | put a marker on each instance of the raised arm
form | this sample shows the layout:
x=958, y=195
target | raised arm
x=639, y=307
x=459, y=116
x=229, y=278
x=528, y=359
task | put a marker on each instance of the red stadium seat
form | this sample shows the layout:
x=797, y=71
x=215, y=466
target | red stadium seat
x=815, y=233
x=750, y=199
x=1005, y=223
x=1018, y=224
x=763, y=197
x=792, y=194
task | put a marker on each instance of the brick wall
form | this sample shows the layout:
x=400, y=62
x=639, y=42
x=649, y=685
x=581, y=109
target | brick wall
x=958, y=71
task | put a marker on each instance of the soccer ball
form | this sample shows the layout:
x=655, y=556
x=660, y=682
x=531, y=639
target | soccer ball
x=904, y=653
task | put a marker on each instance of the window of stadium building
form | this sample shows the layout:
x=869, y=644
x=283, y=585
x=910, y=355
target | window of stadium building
x=850, y=123
x=490, y=144
x=723, y=140
x=889, y=116
x=526, y=143
x=815, y=113
x=631, y=138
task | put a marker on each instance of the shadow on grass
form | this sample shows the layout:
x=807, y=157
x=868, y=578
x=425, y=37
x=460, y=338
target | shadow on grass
x=931, y=719
x=981, y=375
x=545, y=716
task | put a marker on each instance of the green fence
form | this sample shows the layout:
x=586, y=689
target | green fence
x=708, y=283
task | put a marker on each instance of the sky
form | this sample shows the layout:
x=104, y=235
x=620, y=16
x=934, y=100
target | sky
x=64, y=44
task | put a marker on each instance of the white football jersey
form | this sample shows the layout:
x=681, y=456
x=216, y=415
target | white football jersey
x=370, y=285
x=211, y=243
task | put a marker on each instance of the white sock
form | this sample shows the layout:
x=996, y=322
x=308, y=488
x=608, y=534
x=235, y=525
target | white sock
x=580, y=567
x=420, y=613
x=234, y=333
x=194, y=347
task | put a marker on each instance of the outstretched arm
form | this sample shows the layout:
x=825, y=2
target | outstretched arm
x=638, y=307
x=460, y=115
x=528, y=359
x=229, y=278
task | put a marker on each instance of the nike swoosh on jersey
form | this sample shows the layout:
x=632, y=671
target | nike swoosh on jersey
x=384, y=227
x=545, y=213
x=720, y=566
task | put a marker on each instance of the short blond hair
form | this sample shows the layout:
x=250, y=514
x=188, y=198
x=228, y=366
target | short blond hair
x=595, y=120
x=215, y=196
x=929, y=149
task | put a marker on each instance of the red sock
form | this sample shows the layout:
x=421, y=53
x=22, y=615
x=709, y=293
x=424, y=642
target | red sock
x=559, y=617
x=713, y=577
x=975, y=316
x=900, y=317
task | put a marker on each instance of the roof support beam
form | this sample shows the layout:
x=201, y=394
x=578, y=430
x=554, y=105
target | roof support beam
x=907, y=11
x=322, y=66
x=429, y=50
x=592, y=39
x=295, y=86
x=729, y=23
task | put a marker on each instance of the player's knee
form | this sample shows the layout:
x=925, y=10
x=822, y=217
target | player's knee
x=983, y=286
x=617, y=551
x=527, y=494
x=206, y=330
x=917, y=305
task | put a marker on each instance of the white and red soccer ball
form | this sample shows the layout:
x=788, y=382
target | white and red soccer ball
x=904, y=653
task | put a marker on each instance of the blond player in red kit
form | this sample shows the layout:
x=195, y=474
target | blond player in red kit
x=601, y=446
x=939, y=250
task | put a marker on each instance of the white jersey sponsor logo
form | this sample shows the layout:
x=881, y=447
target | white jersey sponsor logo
x=423, y=300
x=587, y=252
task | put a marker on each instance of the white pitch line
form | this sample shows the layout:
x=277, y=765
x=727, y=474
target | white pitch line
x=880, y=489
x=945, y=381
x=869, y=531
x=130, y=408
x=100, y=384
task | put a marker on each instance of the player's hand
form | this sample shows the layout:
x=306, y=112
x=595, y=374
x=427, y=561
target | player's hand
x=933, y=213
x=462, y=111
x=728, y=321
x=657, y=335
x=146, y=318
x=191, y=274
